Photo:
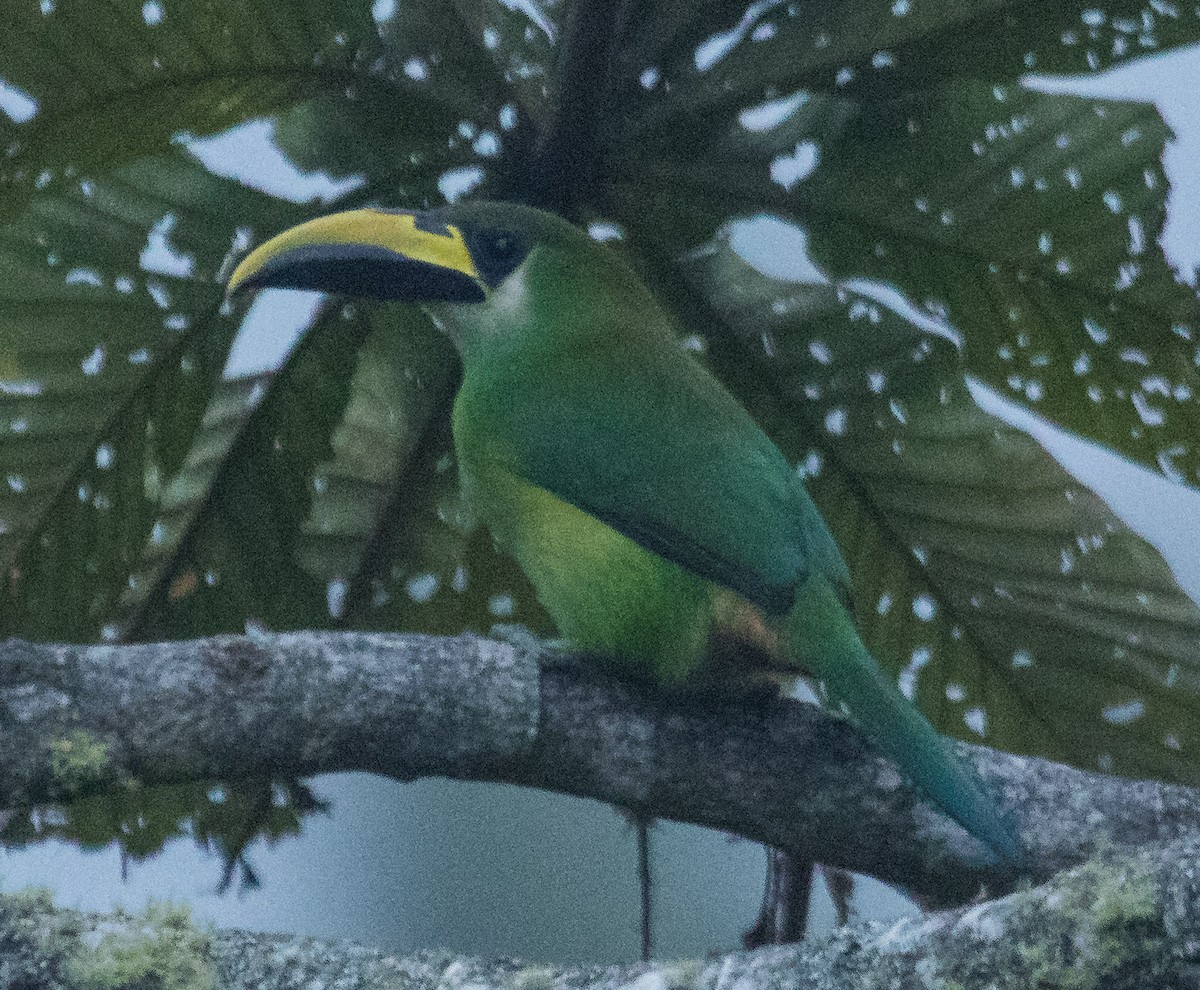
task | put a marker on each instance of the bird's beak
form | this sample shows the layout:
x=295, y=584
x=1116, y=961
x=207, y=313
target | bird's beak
x=380, y=254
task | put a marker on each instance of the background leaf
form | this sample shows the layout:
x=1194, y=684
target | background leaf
x=692, y=60
x=1009, y=600
x=118, y=81
x=114, y=336
x=224, y=550
x=1039, y=242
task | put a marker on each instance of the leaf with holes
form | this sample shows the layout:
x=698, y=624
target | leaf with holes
x=1032, y=223
x=224, y=550
x=104, y=84
x=1008, y=599
x=431, y=568
x=405, y=376
x=113, y=336
x=681, y=63
x=485, y=62
x=324, y=495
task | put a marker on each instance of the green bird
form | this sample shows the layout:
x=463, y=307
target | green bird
x=651, y=513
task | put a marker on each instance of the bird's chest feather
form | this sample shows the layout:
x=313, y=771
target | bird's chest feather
x=604, y=591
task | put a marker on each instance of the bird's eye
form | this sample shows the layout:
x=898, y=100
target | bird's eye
x=497, y=252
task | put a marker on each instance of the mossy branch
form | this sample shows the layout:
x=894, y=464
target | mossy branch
x=1117, y=922
x=76, y=720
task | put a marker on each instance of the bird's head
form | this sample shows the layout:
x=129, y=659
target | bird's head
x=483, y=269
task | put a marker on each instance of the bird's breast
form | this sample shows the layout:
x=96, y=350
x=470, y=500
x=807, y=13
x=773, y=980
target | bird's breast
x=605, y=592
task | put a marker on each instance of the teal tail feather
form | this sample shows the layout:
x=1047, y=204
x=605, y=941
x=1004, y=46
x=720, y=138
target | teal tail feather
x=820, y=634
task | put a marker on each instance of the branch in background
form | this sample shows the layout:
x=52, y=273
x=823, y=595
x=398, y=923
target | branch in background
x=82, y=719
x=1117, y=923
x=561, y=172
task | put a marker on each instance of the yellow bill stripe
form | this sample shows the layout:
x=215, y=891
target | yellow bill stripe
x=396, y=232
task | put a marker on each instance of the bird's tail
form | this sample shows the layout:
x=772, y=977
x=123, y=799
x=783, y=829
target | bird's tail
x=820, y=635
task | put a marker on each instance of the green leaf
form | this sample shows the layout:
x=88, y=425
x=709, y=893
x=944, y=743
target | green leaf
x=406, y=374
x=224, y=549
x=326, y=495
x=385, y=534
x=105, y=370
x=121, y=80
x=709, y=57
x=1032, y=224
x=146, y=77
x=516, y=39
x=1029, y=223
x=432, y=569
x=1018, y=606
x=484, y=61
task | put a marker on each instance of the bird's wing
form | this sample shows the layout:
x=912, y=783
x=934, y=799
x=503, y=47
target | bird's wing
x=663, y=454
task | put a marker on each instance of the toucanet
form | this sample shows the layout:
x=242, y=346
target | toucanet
x=651, y=513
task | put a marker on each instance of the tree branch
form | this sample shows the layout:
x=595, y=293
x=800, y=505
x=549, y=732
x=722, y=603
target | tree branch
x=82, y=719
x=1118, y=922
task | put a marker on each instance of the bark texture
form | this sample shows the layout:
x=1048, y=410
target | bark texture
x=80, y=719
x=1118, y=922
